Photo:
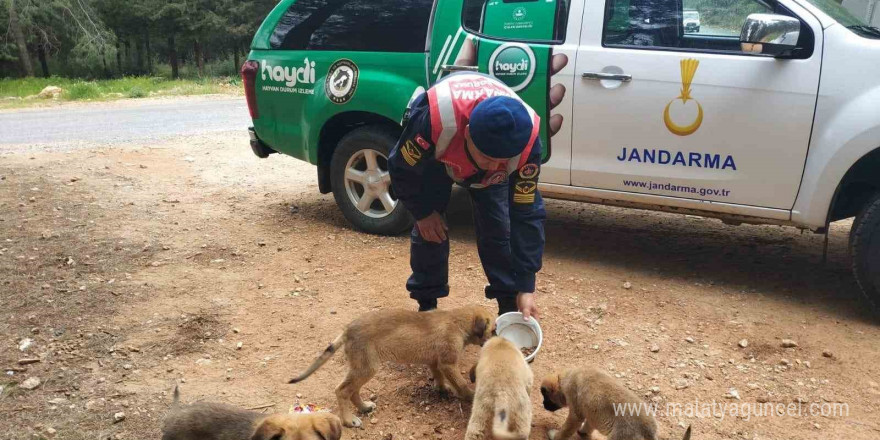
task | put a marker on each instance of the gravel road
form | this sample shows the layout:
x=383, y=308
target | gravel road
x=123, y=121
x=130, y=264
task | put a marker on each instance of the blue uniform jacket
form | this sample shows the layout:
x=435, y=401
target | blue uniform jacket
x=414, y=155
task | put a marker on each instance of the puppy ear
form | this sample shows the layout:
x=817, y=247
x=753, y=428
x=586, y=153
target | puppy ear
x=550, y=385
x=268, y=431
x=557, y=390
x=480, y=326
x=472, y=374
x=330, y=428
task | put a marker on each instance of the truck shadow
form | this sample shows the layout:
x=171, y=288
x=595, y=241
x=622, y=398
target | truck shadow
x=781, y=262
x=772, y=261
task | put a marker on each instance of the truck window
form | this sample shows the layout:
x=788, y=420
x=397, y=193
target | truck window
x=354, y=25
x=538, y=21
x=682, y=24
x=720, y=18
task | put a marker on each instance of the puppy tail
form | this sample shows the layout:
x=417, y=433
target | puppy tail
x=687, y=434
x=321, y=360
x=176, y=400
x=503, y=426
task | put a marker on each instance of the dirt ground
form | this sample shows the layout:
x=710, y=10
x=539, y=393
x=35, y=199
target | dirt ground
x=132, y=267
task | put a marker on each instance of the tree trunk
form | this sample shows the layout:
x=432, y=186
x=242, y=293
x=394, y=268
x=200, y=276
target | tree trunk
x=236, y=58
x=197, y=56
x=129, y=54
x=41, y=54
x=139, y=44
x=104, y=61
x=118, y=57
x=18, y=35
x=149, y=52
x=172, y=50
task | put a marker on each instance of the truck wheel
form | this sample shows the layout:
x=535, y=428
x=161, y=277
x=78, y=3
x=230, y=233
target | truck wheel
x=865, y=242
x=362, y=185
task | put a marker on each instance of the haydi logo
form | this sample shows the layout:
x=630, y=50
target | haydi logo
x=291, y=76
x=513, y=64
x=511, y=68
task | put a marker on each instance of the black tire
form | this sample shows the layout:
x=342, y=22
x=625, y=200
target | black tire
x=865, y=245
x=377, y=219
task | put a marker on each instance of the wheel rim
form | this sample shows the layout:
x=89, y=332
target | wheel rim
x=368, y=184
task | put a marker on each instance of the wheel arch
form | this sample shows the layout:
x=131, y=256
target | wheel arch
x=857, y=187
x=335, y=129
x=844, y=139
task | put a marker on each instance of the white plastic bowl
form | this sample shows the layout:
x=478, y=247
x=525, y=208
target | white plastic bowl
x=524, y=334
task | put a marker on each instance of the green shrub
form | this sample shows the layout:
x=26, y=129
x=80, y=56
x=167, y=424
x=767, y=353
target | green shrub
x=137, y=92
x=83, y=90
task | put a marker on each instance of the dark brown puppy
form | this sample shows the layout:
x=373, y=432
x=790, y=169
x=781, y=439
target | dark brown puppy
x=435, y=338
x=591, y=396
x=214, y=421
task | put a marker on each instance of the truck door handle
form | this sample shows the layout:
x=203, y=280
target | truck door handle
x=457, y=68
x=599, y=76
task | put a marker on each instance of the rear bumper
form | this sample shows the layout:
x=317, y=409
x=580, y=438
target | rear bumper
x=257, y=146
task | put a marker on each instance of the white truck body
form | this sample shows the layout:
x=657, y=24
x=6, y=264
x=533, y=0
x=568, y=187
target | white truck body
x=776, y=139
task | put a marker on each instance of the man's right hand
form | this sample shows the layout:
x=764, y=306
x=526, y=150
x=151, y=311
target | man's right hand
x=432, y=228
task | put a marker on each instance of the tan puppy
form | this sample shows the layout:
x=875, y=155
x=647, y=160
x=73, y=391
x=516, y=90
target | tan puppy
x=504, y=382
x=435, y=338
x=214, y=421
x=591, y=395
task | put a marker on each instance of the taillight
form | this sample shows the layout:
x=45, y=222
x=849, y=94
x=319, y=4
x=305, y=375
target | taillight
x=249, y=77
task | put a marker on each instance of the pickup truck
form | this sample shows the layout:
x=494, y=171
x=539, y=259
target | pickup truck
x=769, y=115
x=691, y=21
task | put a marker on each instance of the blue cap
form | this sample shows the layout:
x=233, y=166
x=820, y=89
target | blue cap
x=500, y=127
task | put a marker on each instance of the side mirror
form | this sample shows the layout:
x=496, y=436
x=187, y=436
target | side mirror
x=770, y=34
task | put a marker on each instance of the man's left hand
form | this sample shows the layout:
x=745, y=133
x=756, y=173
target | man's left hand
x=525, y=302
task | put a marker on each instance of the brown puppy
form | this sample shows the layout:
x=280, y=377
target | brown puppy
x=591, y=396
x=435, y=338
x=214, y=421
x=504, y=382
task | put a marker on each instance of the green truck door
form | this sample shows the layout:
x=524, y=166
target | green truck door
x=509, y=40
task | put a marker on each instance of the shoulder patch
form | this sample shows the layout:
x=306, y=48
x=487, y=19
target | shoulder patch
x=524, y=192
x=422, y=142
x=496, y=178
x=529, y=171
x=411, y=154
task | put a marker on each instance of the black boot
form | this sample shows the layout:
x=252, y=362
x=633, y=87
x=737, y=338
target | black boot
x=426, y=305
x=507, y=305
